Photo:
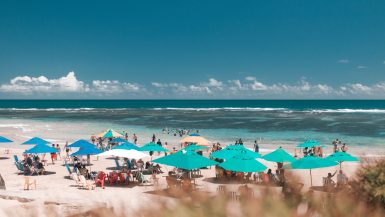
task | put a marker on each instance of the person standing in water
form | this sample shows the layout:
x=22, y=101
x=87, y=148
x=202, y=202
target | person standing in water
x=256, y=146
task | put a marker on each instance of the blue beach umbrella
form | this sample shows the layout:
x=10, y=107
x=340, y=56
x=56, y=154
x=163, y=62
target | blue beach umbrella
x=234, y=150
x=279, y=156
x=194, y=147
x=118, y=140
x=4, y=140
x=36, y=141
x=187, y=160
x=341, y=157
x=87, y=151
x=41, y=149
x=243, y=163
x=127, y=146
x=81, y=144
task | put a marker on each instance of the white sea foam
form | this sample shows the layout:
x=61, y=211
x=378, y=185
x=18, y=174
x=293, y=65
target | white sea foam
x=348, y=111
x=224, y=108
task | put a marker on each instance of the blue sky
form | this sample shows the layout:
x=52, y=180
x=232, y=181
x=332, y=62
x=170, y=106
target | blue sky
x=192, y=49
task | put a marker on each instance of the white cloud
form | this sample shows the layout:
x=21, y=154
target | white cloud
x=343, y=61
x=29, y=85
x=26, y=85
x=361, y=67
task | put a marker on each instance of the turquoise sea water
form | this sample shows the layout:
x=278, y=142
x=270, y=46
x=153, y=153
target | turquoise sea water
x=357, y=122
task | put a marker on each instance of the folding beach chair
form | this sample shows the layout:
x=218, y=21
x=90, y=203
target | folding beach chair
x=16, y=158
x=68, y=168
x=117, y=164
x=19, y=167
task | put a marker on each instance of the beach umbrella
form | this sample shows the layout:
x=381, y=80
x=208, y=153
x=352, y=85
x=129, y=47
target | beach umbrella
x=89, y=150
x=279, y=156
x=118, y=140
x=187, y=160
x=196, y=139
x=194, y=147
x=341, y=157
x=234, y=150
x=131, y=154
x=127, y=146
x=152, y=147
x=4, y=140
x=243, y=163
x=109, y=134
x=36, y=141
x=41, y=149
x=81, y=144
x=311, y=162
x=310, y=144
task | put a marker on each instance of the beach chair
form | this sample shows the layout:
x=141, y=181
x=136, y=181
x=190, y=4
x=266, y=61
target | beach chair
x=113, y=177
x=16, y=158
x=155, y=179
x=68, y=168
x=129, y=165
x=143, y=179
x=100, y=179
x=117, y=164
x=86, y=184
x=75, y=177
x=19, y=167
x=28, y=182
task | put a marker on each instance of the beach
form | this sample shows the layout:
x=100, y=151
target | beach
x=55, y=191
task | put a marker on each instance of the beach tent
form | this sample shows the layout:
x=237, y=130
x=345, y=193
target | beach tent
x=310, y=162
x=4, y=140
x=41, y=149
x=187, y=160
x=243, y=163
x=152, y=147
x=127, y=146
x=279, y=156
x=234, y=150
x=310, y=144
x=118, y=140
x=195, y=139
x=110, y=133
x=81, y=144
x=130, y=154
x=341, y=157
x=36, y=141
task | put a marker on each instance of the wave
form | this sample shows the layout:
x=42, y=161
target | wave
x=261, y=109
x=348, y=111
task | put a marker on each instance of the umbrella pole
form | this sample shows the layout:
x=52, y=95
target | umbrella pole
x=341, y=165
x=311, y=179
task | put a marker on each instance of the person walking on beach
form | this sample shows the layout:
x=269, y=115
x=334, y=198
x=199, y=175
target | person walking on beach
x=166, y=147
x=126, y=136
x=153, y=138
x=135, y=138
x=256, y=146
x=344, y=147
x=160, y=144
x=67, y=149
x=59, y=150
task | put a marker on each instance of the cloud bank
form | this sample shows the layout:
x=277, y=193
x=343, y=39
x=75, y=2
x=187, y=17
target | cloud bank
x=249, y=87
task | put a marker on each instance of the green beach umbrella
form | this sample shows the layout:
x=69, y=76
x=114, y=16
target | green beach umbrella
x=341, y=157
x=311, y=162
x=279, y=156
x=243, y=163
x=234, y=150
x=310, y=144
x=152, y=147
x=187, y=160
x=126, y=146
x=81, y=144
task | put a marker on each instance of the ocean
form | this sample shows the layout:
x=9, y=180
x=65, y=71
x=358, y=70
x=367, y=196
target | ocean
x=359, y=123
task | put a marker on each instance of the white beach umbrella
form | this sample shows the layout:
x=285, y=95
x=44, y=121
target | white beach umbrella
x=131, y=154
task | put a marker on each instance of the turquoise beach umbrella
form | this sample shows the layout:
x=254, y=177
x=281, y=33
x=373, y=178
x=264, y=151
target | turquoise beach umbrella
x=194, y=147
x=118, y=140
x=87, y=151
x=4, y=140
x=36, y=141
x=234, y=150
x=243, y=163
x=41, y=149
x=127, y=146
x=111, y=134
x=310, y=144
x=311, y=162
x=279, y=156
x=81, y=144
x=152, y=147
x=187, y=160
x=341, y=157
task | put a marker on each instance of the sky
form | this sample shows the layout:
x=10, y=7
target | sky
x=288, y=49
